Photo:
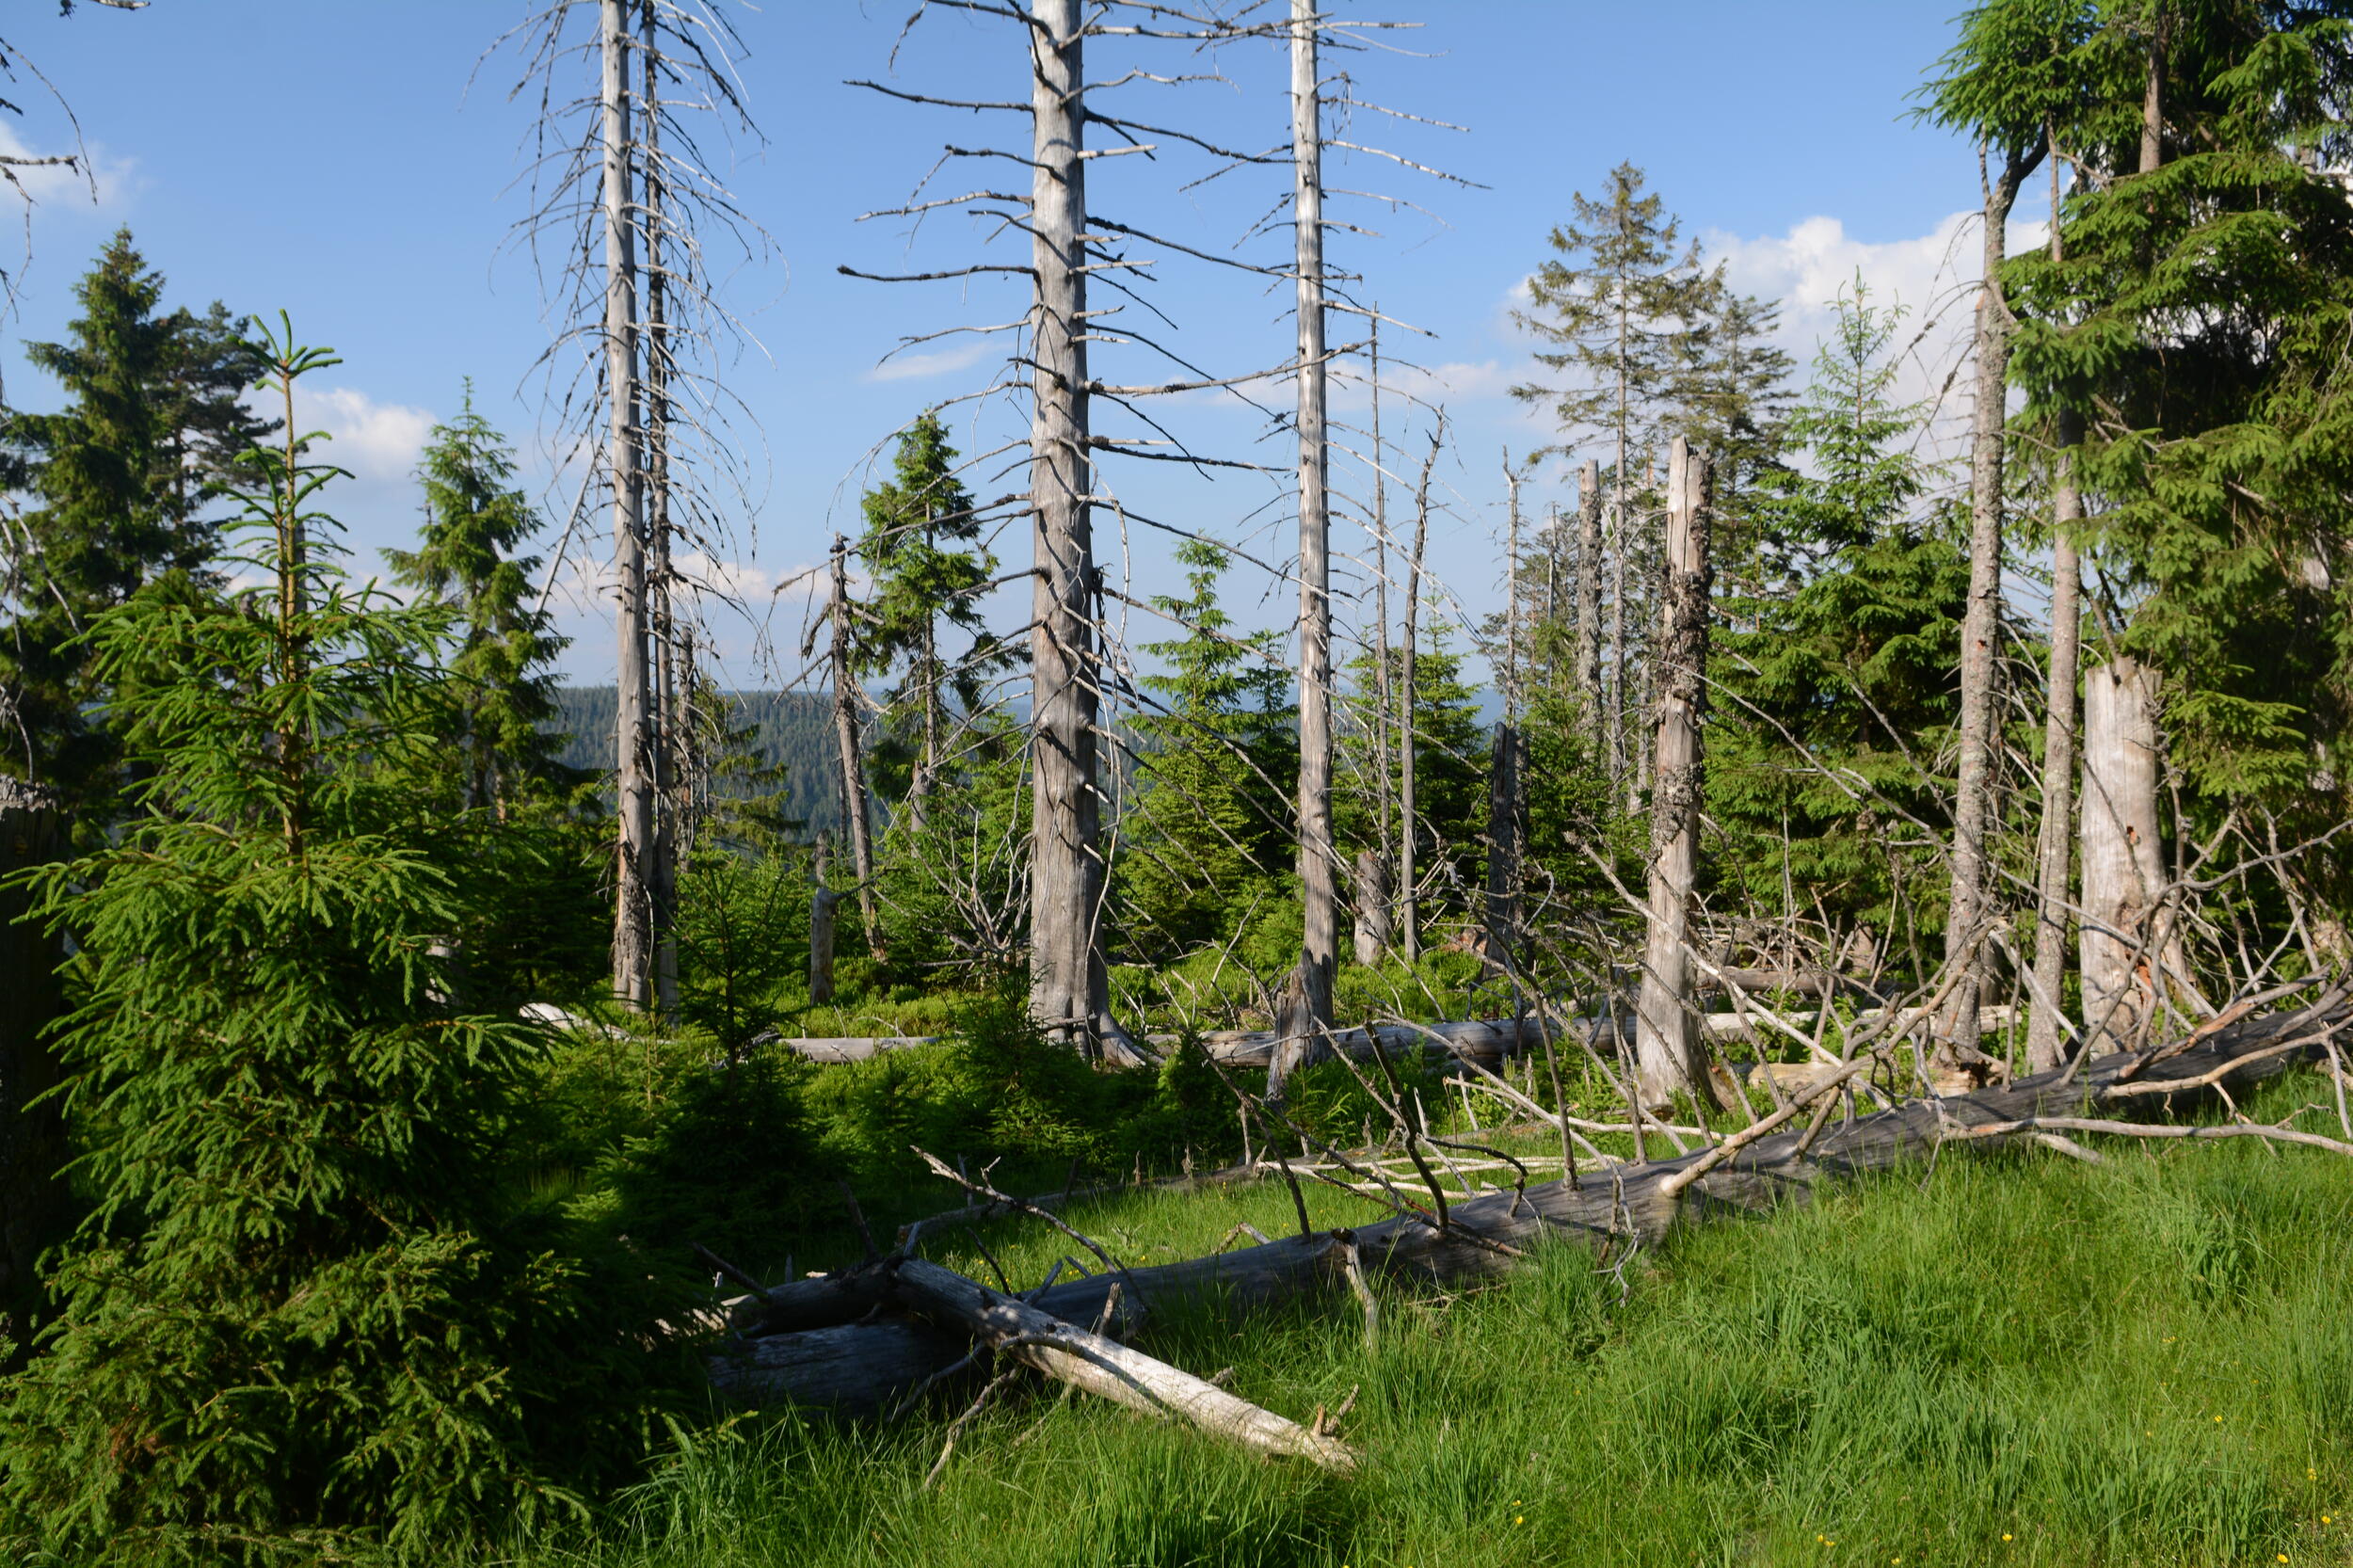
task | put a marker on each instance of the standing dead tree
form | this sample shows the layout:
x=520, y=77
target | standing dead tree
x=1970, y=906
x=624, y=210
x=1669, y=1059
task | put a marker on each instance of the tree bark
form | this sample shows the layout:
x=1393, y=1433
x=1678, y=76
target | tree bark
x=2054, y=850
x=2122, y=861
x=1372, y=905
x=1408, y=739
x=34, y=1199
x=633, y=918
x=1970, y=906
x=670, y=818
x=1500, y=930
x=1384, y=688
x=1669, y=1057
x=1069, y=986
x=1587, y=673
x=1106, y=1367
x=2122, y=866
x=1309, y=1011
x=858, y=820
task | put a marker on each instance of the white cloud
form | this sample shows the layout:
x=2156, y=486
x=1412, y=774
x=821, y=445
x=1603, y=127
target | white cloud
x=912, y=367
x=375, y=440
x=1932, y=277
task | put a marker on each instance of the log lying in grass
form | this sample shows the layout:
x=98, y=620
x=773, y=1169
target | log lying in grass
x=1622, y=1204
x=1485, y=1040
x=1104, y=1366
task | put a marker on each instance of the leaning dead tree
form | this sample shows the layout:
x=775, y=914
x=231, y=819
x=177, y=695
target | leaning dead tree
x=625, y=208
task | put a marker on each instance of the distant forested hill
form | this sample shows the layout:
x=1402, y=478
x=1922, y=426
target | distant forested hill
x=792, y=728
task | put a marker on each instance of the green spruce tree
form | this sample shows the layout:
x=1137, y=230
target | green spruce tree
x=466, y=562
x=118, y=484
x=302, y=1319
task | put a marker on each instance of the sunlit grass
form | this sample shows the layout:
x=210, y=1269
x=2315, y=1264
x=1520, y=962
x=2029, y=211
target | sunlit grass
x=2019, y=1360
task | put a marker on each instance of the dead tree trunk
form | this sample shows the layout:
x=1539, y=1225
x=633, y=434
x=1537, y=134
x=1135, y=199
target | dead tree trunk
x=823, y=902
x=1587, y=672
x=1373, y=895
x=2122, y=865
x=1307, y=1013
x=1669, y=1057
x=1408, y=740
x=1969, y=908
x=855, y=819
x=33, y=1193
x=633, y=913
x=670, y=820
x=1379, y=916
x=1500, y=933
x=1106, y=1367
x=2055, y=851
x=1069, y=987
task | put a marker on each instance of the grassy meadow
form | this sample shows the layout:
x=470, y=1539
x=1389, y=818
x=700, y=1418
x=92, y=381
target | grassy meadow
x=2010, y=1359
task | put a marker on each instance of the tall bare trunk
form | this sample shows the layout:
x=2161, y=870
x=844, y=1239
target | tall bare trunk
x=2123, y=859
x=634, y=915
x=1587, y=673
x=1308, y=1014
x=2054, y=848
x=1375, y=884
x=856, y=820
x=33, y=1193
x=1501, y=926
x=1069, y=988
x=669, y=697
x=1409, y=819
x=1970, y=906
x=1669, y=1056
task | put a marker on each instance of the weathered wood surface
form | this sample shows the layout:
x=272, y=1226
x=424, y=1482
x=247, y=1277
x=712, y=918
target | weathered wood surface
x=1623, y=1203
x=1104, y=1366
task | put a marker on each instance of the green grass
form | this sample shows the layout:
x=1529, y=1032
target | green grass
x=2019, y=1360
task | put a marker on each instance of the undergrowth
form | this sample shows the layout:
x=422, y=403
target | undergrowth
x=2014, y=1359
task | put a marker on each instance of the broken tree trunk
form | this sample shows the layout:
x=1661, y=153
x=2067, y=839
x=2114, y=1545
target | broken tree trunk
x=1104, y=1366
x=856, y=1368
x=1668, y=1056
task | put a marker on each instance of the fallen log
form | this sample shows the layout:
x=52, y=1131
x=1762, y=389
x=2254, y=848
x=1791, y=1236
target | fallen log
x=1633, y=1205
x=1485, y=1040
x=1106, y=1367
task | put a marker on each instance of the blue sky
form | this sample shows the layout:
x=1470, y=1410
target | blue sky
x=350, y=163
